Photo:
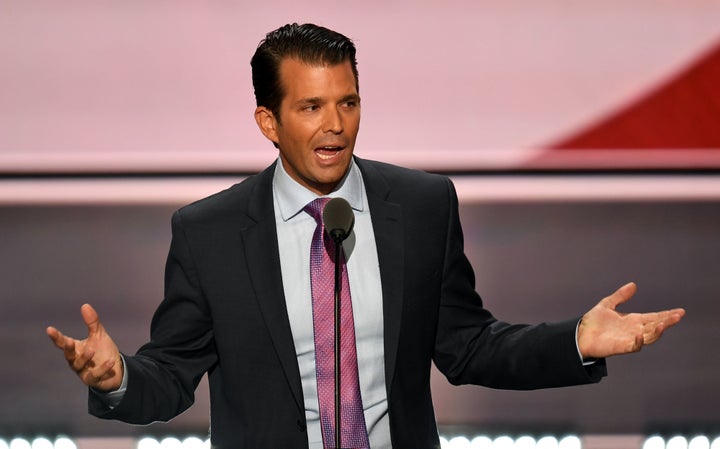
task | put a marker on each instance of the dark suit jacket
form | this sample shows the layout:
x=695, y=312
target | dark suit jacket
x=224, y=313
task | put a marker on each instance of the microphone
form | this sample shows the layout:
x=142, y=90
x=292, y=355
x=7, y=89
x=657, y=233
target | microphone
x=338, y=218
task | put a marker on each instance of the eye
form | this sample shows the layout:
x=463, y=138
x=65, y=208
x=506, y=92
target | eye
x=310, y=108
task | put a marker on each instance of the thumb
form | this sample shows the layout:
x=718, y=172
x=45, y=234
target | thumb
x=621, y=295
x=91, y=319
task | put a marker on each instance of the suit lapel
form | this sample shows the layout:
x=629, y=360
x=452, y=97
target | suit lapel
x=259, y=234
x=389, y=238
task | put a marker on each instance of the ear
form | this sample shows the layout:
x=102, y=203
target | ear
x=267, y=123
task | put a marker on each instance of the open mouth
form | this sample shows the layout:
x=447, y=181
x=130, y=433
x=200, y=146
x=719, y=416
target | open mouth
x=328, y=152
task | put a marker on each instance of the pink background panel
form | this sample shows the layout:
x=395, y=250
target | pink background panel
x=165, y=85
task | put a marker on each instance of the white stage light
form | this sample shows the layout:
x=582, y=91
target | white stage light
x=699, y=442
x=481, y=442
x=42, y=443
x=170, y=443
x=20, y=443
x=677, y=442
x=444, y=443
x=148, y=443
x=570, y=442
x=654, y=442
x=547, y=443
x=3, y=444
x=64, y=443
x=715, y=444
x=525, y=442
x=195, y=443
x=459, y=443
x=503, y=442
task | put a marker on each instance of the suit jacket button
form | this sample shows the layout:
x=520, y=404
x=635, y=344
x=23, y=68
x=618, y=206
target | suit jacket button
x=301, y=425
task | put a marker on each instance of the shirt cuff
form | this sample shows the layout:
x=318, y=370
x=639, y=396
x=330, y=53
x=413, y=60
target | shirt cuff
x=584, y=361
x=113, y=398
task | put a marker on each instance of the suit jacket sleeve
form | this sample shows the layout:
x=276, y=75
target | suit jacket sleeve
x=163, y=375
x=472, y=347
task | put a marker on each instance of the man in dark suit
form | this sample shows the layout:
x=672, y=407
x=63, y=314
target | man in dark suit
x=237, y=294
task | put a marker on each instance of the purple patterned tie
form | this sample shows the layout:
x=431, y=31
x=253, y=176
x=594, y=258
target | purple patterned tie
x=322, y=279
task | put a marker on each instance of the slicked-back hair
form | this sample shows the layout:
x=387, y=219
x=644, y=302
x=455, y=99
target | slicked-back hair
x=311, y=44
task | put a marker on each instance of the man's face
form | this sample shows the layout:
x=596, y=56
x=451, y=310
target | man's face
x=319, y=122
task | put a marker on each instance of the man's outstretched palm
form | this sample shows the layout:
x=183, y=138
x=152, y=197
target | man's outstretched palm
x=604, y=331
x=96, y=359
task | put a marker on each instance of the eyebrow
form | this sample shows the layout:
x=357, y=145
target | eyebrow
x=351, y=97
x=320, y=100
x=311, y=100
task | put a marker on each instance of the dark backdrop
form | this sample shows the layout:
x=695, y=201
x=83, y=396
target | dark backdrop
x=533, y=261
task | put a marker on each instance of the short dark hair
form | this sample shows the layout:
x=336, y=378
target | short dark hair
x=311, y=44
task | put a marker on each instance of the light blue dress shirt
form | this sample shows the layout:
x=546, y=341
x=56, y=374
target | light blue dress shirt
x=295, y=229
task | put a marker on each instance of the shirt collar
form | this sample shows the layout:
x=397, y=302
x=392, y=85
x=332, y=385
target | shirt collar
x=291, y=197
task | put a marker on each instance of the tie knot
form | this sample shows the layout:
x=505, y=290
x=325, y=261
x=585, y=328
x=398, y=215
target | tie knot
x=315, y=208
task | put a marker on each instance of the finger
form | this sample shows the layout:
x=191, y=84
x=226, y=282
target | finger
x=82, y=359
x=654, y=334
x=56, y=336
x=69, y=349
x=639, y=342
x=667, y=317
x=89, y=378
x=95, y=376
x=621, y=295
x=90, y=317
x=671, y=317
x=676, y=315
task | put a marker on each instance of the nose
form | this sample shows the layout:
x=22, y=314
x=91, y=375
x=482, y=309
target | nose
x=333, y=121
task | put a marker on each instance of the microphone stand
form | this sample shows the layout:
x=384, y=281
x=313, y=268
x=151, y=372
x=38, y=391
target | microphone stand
x=337, y=238
x=338, y=219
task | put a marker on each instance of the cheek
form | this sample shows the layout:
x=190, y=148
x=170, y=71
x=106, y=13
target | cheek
x=302, y=135
x=355, y=125
x=293, y=138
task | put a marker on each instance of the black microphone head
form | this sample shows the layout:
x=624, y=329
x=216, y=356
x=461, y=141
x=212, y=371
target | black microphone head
x=338, y=218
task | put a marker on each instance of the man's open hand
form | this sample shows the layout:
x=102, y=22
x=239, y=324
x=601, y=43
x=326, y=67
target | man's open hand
x=604, y=331
x=96, y=359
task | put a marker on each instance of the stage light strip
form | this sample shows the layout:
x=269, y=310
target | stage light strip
x=159, y=191
x=173, y=443
x=681, y=442
x=454, y=441
x=38, y=443
x=507, y=442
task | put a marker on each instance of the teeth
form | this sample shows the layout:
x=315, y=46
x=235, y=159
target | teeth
x=334, y=153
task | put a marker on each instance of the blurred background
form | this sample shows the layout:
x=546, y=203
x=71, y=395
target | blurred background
x=583, y=138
